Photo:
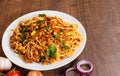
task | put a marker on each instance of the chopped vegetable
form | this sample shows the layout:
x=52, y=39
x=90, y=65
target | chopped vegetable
x=64, y=46
x=33, y=33
x=61, y=30
x=23, y=29
x=40, y=21
x=42, y=15
x=42, y=58
x=51, y=51
x=56, y=36
x=71, y=26
x=47, y=27
x=23, y=38
x=34, y=73
x=48, y=52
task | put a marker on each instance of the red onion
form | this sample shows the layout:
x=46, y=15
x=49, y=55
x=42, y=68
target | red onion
x=70, y=69
x=80, y=69
x=83, y=71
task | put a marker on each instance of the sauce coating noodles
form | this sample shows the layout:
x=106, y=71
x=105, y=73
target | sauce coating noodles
x=45, y=39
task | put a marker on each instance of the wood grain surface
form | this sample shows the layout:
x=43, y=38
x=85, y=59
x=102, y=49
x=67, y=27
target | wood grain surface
x=101, y=19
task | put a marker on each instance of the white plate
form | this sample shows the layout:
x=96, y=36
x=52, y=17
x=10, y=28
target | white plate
x=13, y=57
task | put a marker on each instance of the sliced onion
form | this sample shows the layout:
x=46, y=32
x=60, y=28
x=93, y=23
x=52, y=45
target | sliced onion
x=68, y=70
x=82, y=71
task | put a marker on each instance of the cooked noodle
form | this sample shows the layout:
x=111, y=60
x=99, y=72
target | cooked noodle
x=45, y=39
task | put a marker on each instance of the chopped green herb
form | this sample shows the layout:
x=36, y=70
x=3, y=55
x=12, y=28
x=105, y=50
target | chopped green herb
x=42, y=58
x=23, y=29
x=63, y=42
x=23, y=38
x=51, y=51
x=42, y=15
x=48, y=52
x=71, y=26
x=56, y=36
x=47, y=27
x=40, y=21
x=64, y=46
x=61, y=30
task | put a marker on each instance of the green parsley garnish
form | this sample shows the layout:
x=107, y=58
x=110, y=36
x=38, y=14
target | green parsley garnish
x=71, y=26
x=23, y=29
x=42, y=58
x=51, y=51
x=64, y=46
x=23, y=38
x=40, y=21
x=56, y=36
x=42, y=15
x=47, y=27
x=61, y=30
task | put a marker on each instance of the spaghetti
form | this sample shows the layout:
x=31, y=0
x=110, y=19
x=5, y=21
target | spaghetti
x=45, y=39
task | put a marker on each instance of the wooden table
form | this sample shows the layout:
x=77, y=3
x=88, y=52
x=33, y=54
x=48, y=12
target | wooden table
x=101, y=19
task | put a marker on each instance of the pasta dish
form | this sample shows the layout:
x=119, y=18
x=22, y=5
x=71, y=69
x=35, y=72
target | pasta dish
x=45, y=39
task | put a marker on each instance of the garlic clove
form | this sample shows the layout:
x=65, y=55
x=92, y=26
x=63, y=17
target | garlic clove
x=5, y=64
x=1, y=63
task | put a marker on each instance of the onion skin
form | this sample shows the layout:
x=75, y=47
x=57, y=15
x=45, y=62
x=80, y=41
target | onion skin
x=5, y=64
x=34, y=73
